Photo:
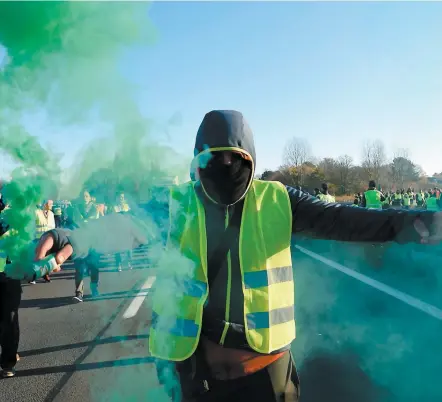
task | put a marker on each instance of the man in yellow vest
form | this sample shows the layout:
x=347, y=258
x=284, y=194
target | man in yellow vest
x=397, y=199
x=420, y=199
x=87, y=211
x=122, y=207
x=44, y=218
x=324, y=195
x=372, y=198
x=44, y=221
x=223, y=303
x=406, y=200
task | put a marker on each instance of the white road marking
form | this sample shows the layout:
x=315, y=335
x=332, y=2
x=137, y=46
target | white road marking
x=137, y=302
x=403, y=297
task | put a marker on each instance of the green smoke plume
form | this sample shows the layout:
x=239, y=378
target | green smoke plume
x=64, y=61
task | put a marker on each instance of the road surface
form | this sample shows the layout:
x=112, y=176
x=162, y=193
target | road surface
x=355, y=342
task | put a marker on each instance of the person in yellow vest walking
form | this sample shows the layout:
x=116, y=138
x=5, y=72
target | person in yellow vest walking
x=58, y=215
x=86, y=211
x=44, y=221
x=223, y=302
x=324, y=195
x=122, y=207
x=397, y=199
x=420, y=199
x=406, y=200
x=372, y=198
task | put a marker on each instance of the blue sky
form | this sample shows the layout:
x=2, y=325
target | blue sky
x=336, y=74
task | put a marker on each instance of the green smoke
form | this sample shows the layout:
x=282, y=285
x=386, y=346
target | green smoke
x=64, y=60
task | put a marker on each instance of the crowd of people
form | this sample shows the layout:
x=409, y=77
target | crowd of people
x=429, y=199
x=50, y=215
x=74, y=214
x=233, y=234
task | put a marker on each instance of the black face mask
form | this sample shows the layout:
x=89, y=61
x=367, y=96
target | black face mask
x=226, y=184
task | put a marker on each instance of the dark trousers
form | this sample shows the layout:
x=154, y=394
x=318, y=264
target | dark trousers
x=119, y=257
x=86, y=267
x=190, y=381
x=10, y=298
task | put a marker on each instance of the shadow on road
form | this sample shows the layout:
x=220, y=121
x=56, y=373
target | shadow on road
x=334, y=377
x=104, y=341
x=70, y=368
x=52, y=302
x=55, y=302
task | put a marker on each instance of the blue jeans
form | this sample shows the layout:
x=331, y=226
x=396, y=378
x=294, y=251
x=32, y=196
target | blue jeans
x=86, y=267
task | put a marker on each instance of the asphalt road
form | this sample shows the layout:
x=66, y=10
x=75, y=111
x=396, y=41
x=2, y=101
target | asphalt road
x=355, y=343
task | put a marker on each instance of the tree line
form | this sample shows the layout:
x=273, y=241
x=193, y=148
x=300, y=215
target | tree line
x=344, y=176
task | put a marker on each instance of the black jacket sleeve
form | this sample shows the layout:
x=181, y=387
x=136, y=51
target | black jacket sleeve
x=333, y=221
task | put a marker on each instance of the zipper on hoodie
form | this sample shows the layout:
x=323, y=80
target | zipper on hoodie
x=229, y=287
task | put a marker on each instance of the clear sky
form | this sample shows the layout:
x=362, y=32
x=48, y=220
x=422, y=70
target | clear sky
x=336, y=74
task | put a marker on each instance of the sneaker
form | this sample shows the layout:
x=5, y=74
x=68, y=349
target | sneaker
x=129, y=265
x=32, y=282
x=47, y=279
x=120, y=268
x=78, y=298
x=8, y=373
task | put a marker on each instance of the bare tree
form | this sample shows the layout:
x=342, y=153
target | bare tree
x=296, y=153
x=373, y=158
x=403, y=170
x=344, y=167
x=328, y=166
x=402, y=153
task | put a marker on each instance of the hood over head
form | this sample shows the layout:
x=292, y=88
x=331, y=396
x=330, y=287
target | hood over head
x=221, y=131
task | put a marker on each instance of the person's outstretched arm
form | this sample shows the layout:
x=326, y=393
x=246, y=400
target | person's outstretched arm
x=110, y=234
x=332, y=221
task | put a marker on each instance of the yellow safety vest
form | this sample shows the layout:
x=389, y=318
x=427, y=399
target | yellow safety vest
x=373, y=199
x=122, y=207
x=43, y=223
x=266, y=268
x=326, y=197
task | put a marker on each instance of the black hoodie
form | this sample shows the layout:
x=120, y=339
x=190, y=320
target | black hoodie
x=228, y=130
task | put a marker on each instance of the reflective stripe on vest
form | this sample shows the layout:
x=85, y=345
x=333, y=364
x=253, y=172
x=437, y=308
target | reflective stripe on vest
x=40, y=230
x=265, y=263
x=432, y=204
x=373, y=199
